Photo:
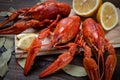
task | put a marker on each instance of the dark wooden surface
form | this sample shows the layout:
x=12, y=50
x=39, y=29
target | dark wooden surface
x=43, y=61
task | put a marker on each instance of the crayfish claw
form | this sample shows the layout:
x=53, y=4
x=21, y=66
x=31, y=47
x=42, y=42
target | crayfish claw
x=32, y=52
x=110, y=62
x=61, y=61
x=110, y=66
x=91, y=68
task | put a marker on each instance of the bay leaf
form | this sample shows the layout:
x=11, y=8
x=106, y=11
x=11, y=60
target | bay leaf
x=3, y=69
x=2, y=49
x=3, y=62
x=3, y=13
x=11, y=9
x=9, y=42
x=43, y=0
x=22, y=62
x=7, y=13
x=2, y=40
x=74, y=70
x=7, y=55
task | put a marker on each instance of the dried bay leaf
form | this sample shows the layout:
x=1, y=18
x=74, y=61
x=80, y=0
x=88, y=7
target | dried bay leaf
x=3, y=69
x=7, y=13
x=2, y=49
x=5, y=56
x=74, y=70
x=3, y=13
x=9, y=42
x=3, y=62
x=43, y=0
x=2, y=40
x=22, y=62
x=11, y=9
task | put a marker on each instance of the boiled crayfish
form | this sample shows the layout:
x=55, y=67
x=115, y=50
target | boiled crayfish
x=37, y=16
x=93, y=35
x=65, y=30
x=90, y=36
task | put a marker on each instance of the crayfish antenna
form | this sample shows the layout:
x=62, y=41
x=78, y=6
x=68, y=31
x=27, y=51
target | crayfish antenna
x=61, y=61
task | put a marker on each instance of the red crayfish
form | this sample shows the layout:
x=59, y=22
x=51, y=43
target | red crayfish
x=66, y=29
x=37, y=16
x=90, y=36
x=94, y=37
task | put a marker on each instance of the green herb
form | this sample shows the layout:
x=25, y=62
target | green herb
x=7, y=42
x=74, y=70
x=2, y=40
x=43, y=0
x=11, y=9
x=3, y=62
x=7, y=13
x=22, y=62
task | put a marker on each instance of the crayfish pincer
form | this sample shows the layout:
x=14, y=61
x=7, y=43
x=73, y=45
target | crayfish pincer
x=36, y=16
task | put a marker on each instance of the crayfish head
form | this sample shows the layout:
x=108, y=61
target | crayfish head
x=92, y=31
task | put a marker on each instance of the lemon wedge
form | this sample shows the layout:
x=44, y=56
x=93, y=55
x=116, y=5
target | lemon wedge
x=26, y=41
x=86, y=8
x=107, y=15
x=19, y=36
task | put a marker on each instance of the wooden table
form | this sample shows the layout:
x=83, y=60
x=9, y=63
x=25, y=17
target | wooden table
x=43, y=61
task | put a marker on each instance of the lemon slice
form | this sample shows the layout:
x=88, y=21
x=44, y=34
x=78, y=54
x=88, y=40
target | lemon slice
x=26, y=40
x=107, y=15
x=86, y=8
x=19, y=36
